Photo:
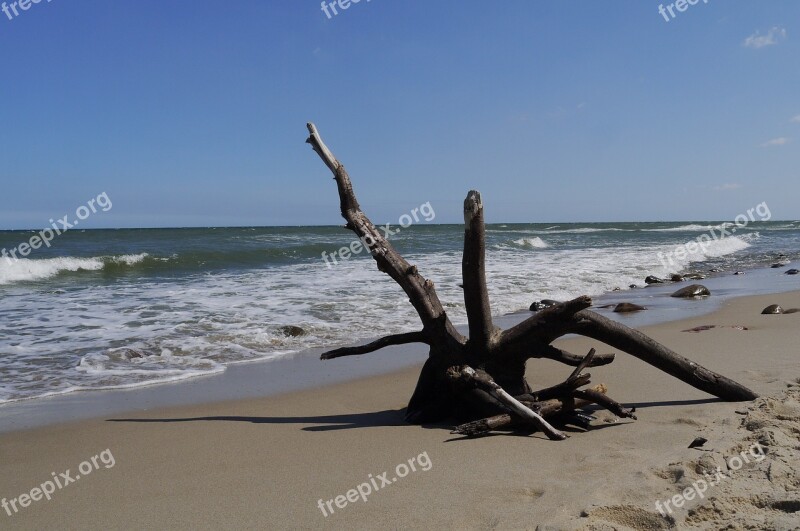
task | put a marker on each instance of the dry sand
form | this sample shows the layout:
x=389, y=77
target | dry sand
x=265, y=463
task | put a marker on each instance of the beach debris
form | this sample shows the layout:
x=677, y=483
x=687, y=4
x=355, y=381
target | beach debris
x=698, y=442
x=480, y=379
x=703, y=328
x=695, y=290
x=541, y=305
x=633, y=286
x=654, y=280
x=626, y=307
x=792, y=272
x=739, y=273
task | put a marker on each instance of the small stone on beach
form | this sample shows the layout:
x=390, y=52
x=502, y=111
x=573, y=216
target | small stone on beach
x=697, y=442
x=695, y=290
x=626, y=307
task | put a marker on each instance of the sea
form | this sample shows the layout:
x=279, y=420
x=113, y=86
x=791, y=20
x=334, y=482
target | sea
x=123, y=308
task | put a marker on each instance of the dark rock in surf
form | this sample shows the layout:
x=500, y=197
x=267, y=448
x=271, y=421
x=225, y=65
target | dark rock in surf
x=676, y=278
x=626, y=307
x=131, y=353
x=792, y=272
x=653, y=280
x=292, y=331
x=695, y=290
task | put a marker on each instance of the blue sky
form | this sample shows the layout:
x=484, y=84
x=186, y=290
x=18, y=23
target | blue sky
x=192, y=113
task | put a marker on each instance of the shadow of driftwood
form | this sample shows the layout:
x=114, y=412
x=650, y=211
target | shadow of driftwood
x=389, y=417
x=394, y=417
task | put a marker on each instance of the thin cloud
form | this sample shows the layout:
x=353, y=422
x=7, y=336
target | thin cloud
x=756, y=40
x=727, y=186
x=780, y=141
x=796, y=119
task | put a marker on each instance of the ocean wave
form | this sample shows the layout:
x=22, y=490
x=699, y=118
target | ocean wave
x=691, y=228
x=696, y=251
x=186, y=324
x=531, y=243
x=27, y=269
x=584, y=230
x=792, y=225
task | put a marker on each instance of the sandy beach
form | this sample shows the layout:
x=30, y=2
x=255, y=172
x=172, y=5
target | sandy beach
x=283, y=265
x=276, y=462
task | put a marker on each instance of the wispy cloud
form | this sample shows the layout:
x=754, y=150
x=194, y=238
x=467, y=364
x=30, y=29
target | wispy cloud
x=796, y=119
x=756, y=40
x=780, y=141
x=727, y=186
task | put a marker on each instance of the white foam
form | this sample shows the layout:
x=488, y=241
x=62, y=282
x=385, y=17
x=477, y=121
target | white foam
x=197, y=324
x=129, y=259
x=681, y=256
x=691, y=228
x=535, y=243
x=27, y=269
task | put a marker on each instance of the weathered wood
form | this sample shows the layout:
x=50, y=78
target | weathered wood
x=420, y=290
x=546, y=408
x=637, y=344
x=470, y=377
x=395, y=339
x=473, y=270
x=483, y=378
x=567, y=358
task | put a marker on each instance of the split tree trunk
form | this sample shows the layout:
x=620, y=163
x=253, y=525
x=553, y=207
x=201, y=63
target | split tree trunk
x=483, y=376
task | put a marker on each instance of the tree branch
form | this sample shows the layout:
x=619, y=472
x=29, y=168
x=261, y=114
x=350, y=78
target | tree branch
x=420, y=290
x=534, y=327
x=568, y=358
x=469, y=376
x=473, y=270
x=387, y=341
x=592, y=395
x=546, y=408
x=648, y=350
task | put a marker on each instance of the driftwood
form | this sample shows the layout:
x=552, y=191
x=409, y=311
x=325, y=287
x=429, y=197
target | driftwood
x=481, y=378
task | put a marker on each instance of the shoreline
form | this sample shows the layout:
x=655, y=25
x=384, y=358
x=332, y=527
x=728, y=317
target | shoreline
x=304, y=370
x=242, y=463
